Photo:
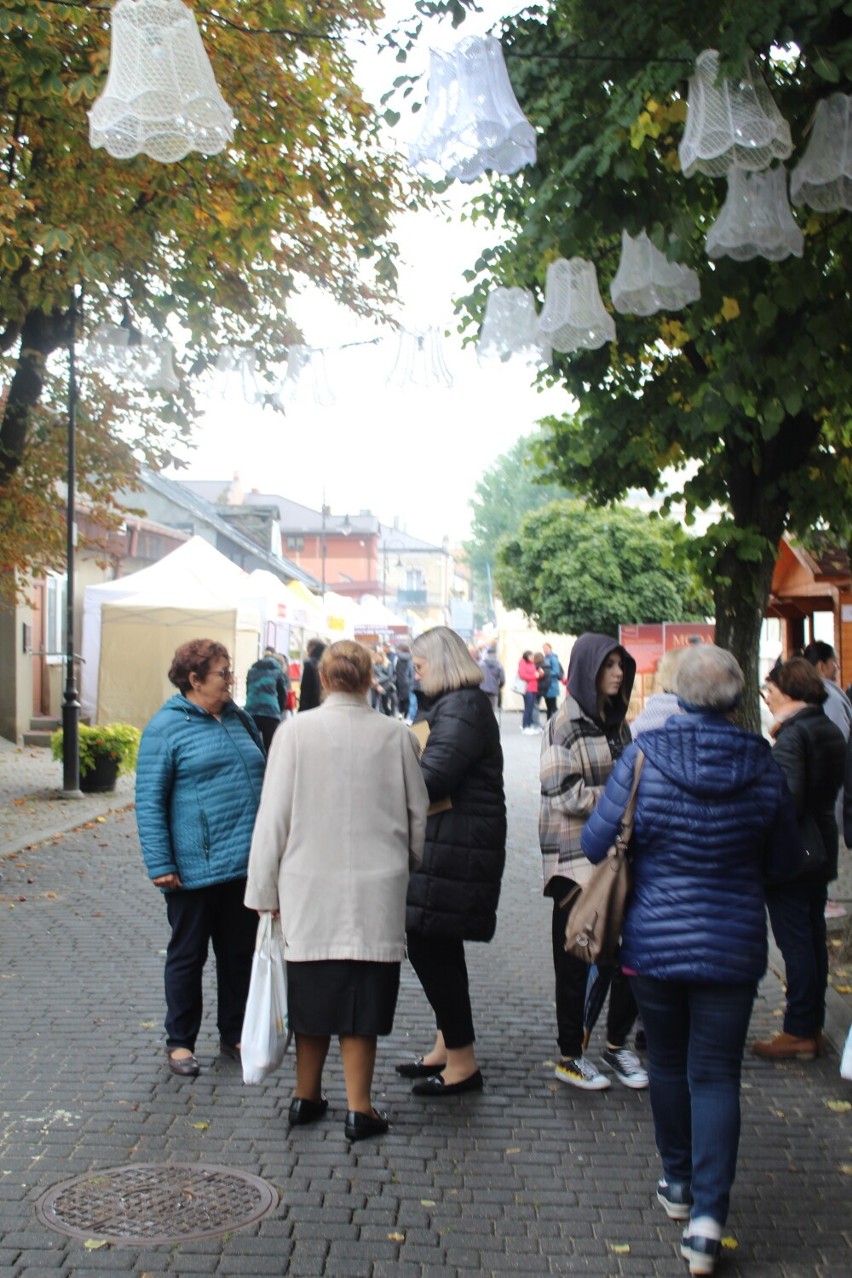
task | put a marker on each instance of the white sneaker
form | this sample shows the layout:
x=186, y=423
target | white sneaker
x=580, y=1072
x=626, y=1066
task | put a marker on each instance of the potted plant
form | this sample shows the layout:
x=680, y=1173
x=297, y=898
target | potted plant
x=107, y=751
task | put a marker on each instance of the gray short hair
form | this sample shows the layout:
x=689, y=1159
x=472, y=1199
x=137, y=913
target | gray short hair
x=709, y=678
x=450, y=664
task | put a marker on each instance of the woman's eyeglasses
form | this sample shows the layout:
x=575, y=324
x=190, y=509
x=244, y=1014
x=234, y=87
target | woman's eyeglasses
x=226, y=673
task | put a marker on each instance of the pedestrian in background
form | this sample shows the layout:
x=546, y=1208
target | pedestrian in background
x=339, y=884
x=310, y=691
x=493, y=676
x=528, y=676
x=578, y=752
x=713, y=822
x=663, y=701
x=554, y=674
x=838, y=707
x=452, y=898
x=811, y=752
x=198, y=783
x=404, y=677
x=266, y=694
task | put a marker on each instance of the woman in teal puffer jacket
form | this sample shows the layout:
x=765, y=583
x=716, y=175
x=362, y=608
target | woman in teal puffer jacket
x=198, y=783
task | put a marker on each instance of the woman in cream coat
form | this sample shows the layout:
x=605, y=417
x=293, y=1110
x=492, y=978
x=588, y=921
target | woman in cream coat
x=341, y=825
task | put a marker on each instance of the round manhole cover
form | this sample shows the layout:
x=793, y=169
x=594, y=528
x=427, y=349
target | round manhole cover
x=156, y=1203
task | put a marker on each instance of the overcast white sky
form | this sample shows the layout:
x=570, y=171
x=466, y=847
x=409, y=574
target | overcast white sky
x=410, y=454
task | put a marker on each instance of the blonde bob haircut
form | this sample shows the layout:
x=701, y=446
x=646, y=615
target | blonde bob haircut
x=450, y=665
x=346, y=666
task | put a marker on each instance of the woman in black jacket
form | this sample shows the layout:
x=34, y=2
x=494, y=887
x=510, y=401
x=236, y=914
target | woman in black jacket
x=452, y=898
x=811, y=753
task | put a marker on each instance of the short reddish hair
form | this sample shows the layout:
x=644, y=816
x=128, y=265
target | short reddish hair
x=194, y=657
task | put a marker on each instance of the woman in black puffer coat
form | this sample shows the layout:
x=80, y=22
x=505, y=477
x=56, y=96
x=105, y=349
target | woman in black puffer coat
x=452, y=898
x=811, y=753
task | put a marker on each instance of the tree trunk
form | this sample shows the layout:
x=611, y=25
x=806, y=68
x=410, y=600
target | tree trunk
x=40, y=335
x=741, y=595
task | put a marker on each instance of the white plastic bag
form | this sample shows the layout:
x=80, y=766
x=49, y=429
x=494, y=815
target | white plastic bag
x=265, y=1036
x=846, y=1058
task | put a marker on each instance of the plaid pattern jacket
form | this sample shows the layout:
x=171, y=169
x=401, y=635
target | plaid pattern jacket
x=576, y=762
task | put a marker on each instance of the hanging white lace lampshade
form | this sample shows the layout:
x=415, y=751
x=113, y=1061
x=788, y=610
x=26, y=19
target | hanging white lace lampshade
x=107, y=348
x=510, y=328
x=159, y=372
x=306, y=379
x=755, y=220
x=733, y=124
x=823, y=176
x=419, y=361
x=235, y=379
x=646, y=281
x=161, y=97
x=573, y=316
x=472, y=119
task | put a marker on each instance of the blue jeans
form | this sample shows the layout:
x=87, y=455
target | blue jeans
x=797, y=914
x=696, y=1034
x=530, y=713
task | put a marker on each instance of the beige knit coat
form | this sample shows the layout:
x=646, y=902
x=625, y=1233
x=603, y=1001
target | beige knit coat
x=341, y=824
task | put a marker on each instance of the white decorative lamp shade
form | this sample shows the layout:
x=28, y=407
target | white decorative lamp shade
x=107, y=348
x=646, y=281
x=161, y=373
x=733, y=124
x=573, y=316
x=161, y=97
x=510, y=327
x=755, y=220
x=823, y=176
x=419, y=361
x=306, y=379
x=472, y=120
x=236, y=379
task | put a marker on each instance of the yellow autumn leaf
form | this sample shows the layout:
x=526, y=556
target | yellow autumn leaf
x=730, y=308
x=846, y=1169
x=730, y=1243
x=620, y=1249
x=94, y=1244
x=201, y=1127
x=427, y=1202
x=843, y=989
x=839, y=1106
x=514, y=1150
x=396, y=1237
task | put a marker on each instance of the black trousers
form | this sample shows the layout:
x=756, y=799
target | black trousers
x=197, y=917
x=572, y=976
x=441, y=969
x=266, y=726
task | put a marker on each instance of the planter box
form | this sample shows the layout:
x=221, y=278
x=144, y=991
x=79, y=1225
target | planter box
x=102, y=777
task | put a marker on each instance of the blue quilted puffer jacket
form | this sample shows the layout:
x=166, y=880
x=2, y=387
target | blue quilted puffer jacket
x=198, y=783
x=714, y=822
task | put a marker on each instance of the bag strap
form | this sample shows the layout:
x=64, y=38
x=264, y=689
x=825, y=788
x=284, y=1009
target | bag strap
x=626, y=831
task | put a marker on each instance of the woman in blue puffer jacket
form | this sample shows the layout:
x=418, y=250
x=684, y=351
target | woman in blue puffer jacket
x=714, y=822
x=198, y=783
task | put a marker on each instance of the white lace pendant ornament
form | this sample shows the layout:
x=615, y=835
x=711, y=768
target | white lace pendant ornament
x=647, y=282
x=733, y=124
x=510, y=328
x=305, y=381
x=573, y=316
x=161, y=98
x=161, y=375
x=419, y=361
x=823, y=177
x=236, y=380
x=472, y=120
x=755, y=220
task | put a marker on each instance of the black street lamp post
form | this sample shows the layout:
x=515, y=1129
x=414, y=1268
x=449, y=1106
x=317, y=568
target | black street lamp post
x=71, y=705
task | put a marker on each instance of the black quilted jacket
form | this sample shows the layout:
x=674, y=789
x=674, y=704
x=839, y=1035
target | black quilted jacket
x=455, y=890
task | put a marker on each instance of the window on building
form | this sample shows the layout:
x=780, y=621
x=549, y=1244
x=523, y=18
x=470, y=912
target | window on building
x=295, y=543
x=54, y=625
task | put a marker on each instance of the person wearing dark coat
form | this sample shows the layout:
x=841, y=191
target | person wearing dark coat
x=714, y=822
x=811, y=752
x=404, y=676
x=453, y=895
x=310, y=691
x=266, y=695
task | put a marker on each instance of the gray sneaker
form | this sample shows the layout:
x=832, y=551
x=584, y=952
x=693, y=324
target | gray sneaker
x=580, y=1072
x=626, y=1066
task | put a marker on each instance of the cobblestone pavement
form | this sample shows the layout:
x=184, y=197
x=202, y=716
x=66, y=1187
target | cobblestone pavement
x=528, y=1177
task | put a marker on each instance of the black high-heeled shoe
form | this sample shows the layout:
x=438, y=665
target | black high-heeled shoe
x=360, y=1126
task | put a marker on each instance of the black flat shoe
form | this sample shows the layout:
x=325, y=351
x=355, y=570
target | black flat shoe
x=230, y=1050
x=360, y=1126
x=416, y=1069
x=435, y=1086
x=183, y=1066
x=304, y=1111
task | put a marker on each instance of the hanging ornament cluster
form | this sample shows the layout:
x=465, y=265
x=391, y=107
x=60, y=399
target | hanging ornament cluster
x=472, y=119
x=161, y=98
x=646, y=281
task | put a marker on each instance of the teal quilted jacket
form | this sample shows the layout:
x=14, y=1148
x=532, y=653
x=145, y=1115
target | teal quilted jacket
x=198, y=783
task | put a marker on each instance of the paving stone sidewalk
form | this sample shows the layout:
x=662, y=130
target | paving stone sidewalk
x=528, y=1177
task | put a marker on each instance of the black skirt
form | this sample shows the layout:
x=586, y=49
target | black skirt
x=342, y=996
